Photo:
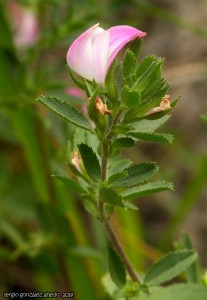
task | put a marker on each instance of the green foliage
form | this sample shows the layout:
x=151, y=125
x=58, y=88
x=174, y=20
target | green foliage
x=68, y=182
x=179, y=292
x=90, y=162
x=130, y=97
x=116, y=268
x=169, y=266
x=129, y=63
x=147, y=189
x=65, y=111
x=152, y=137
x=110, y=196
x=137, y=174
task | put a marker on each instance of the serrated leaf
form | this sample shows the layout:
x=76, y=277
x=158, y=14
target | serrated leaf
x=130, y=97
x=119, y=129
x=118, y=166
x=129, y=205
x=69, y=182
x=129, y=63
x=152, y=137
x=65, y=111
x=169, y=266
x=148, y=76
x=147, y=189
x=149, y=124
x=90, y=162
x=137, y=174
x=116, y=176
x=179, y=292
x=123, y=143
x=110, y=196
x=147, y=104
x=116, y=267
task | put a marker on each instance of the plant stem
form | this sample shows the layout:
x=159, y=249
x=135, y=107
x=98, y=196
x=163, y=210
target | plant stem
x=109, y=229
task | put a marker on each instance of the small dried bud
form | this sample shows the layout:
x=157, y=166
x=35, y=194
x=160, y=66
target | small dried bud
x=75, y=160
x=101, y=107
x=164, y=105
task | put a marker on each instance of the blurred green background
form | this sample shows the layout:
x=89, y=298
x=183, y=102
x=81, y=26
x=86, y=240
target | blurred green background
x=48, y=242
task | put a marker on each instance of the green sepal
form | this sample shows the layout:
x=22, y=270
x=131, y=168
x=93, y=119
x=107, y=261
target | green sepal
x=91, y=88
x=129, y=64
x=110, y=83
x=146, y=189
x=90, y=162
x=65, y=111
x=136, y=46
x=75, y=79
x=130, y=97
x=116, y=267
x=137, y=174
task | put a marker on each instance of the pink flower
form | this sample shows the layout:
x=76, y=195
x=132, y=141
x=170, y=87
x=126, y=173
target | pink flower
x=25, y=25
x=92, y=53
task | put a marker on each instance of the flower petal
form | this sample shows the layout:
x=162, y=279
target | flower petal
x=100, y=56
x=119, y=37
x=79, y=56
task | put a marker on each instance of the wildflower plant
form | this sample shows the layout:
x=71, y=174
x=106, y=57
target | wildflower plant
x=127, y=103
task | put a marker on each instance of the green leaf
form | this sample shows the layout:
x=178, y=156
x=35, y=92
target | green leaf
x=117, y=166
x=148, y=71
x=123, y=143
x=147, y=189
x=116, y=267
x=90, y=162
x=129, y=63
x=110, y=196
x=152, y=137
x=192, y=271
x=65, y=111
x=116, y=176
x=130, y=97
x=69, y=182
x=137, y=174
x=179, y=292
x=169, y=266
x=149, y=124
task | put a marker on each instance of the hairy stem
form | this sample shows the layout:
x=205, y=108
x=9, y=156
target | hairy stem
x=109, y=229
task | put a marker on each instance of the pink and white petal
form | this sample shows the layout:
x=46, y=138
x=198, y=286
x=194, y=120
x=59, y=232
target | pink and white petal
x=119, y=37
x=79, y=56
x=100, y=48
